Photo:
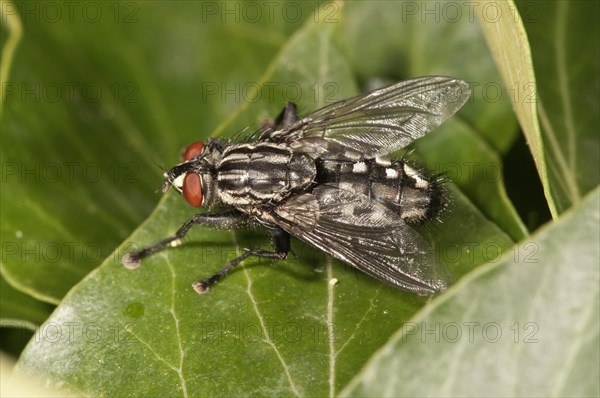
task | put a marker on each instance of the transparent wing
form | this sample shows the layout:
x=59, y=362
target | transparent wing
x=381, y=121
x=365, y=234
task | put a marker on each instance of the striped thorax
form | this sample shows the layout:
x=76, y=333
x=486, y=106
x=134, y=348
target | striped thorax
x=255, y=174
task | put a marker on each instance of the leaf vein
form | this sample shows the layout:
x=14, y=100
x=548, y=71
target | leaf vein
x=457, y=357
x=330, y=330
x=149, y=347
x=574, y=348
x=359, y=323
x=177, y=331
x=267, y=340
x=560, y=34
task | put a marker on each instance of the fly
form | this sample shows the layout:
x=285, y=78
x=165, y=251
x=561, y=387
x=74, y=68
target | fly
x=325, y=179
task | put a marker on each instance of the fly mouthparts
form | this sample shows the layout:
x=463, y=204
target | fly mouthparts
x=165, y=186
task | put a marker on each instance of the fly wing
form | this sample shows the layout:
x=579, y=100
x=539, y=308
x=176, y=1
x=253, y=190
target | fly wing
x=365, y=234
x=381, y=121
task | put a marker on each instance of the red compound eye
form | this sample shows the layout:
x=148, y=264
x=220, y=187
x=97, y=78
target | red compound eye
x=193, y=150
x=192, y=189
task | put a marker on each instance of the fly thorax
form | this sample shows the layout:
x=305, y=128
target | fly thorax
x=255, y=174
x=209, y=189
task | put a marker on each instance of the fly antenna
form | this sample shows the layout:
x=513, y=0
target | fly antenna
x=164, y=170
x=159, y=166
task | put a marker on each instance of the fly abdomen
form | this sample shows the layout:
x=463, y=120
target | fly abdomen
x=399, y=186
x=262, y=173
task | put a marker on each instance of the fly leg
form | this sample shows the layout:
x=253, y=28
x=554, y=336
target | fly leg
x=285, y=119
x=221, y=220
x=281, y=244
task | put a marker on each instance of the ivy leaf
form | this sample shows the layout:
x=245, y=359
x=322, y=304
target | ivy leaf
x=19, y=310
x=567, y=64
x=553, y=39
x=306, y=326
x=20, y=316
x=524, y=326
x=288, y=319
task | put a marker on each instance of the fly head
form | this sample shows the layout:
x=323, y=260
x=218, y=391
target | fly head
x=193, y=177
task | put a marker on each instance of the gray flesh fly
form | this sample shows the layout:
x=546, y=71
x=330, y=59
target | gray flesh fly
x=325, y=179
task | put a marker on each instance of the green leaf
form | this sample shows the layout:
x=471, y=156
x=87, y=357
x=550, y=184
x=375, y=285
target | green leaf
x=84, y=122
x=286, y=319
x=271, y=328
x=20, y=316
x=301, y=333
x=524, y=326
x=565, y=38
x=563, y=88
x=18, y=310
x=503, y=29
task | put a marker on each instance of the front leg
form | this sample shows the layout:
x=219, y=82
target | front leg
x=227, y=220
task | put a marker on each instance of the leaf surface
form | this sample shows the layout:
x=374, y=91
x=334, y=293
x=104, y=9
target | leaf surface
x=526, y=325
x=301, y=334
